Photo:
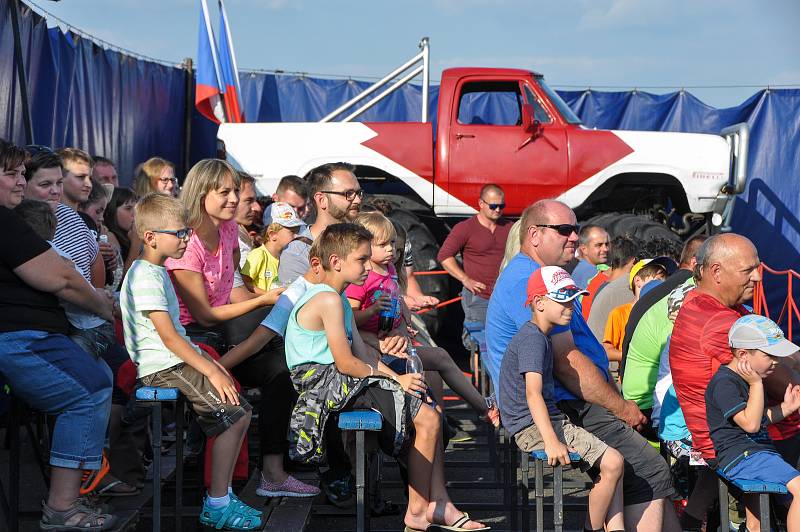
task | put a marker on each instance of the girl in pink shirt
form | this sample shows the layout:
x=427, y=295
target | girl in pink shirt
x=376, y=294
x=203, y=280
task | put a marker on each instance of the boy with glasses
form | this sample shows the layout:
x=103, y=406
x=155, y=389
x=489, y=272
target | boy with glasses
x=165, y=357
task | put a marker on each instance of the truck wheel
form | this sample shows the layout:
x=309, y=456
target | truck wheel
x=425, y=250
x=635, y=225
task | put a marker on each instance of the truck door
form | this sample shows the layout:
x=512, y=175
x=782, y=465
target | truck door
x=488, y=144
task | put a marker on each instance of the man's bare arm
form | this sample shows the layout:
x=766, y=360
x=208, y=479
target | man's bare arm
x=580, y=376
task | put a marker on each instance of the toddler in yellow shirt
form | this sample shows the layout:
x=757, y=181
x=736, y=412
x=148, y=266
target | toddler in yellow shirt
x=260, y=270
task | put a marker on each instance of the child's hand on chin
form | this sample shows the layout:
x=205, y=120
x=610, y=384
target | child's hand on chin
x=747, y=372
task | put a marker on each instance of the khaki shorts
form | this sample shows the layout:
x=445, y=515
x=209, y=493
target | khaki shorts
x=585, y=443
x=214, y=416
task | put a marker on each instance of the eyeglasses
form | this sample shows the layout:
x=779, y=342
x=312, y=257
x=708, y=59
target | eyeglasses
x=349, y=195
x=562, y=229
x=183, y=234
x=494, y=206
x=167, y=180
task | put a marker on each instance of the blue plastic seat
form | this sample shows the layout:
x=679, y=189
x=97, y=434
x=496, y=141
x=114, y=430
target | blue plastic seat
x=361, y=421
x=154, y=396
x=757, y=487
x=539, y=458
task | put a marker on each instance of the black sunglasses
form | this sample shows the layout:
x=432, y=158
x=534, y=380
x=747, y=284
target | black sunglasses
x=563, y=229
x=349, y=195
x=494, y=206
x=184, y=233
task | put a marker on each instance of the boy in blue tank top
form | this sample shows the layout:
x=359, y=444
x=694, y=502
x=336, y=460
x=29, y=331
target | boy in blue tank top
x=329, y=378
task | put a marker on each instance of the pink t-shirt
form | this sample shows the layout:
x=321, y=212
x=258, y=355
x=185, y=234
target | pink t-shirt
x=216, y=268
x=366, y=294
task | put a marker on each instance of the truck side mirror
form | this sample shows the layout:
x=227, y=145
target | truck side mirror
x=529, y=123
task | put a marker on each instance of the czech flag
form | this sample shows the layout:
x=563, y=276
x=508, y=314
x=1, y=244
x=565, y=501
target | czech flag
x=229, y=73
x=208, y=89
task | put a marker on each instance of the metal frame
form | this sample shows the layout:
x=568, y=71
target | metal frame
x=422, y=57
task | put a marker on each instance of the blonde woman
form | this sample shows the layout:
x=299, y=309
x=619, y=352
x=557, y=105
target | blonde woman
x=203, y=280
x=155, y=175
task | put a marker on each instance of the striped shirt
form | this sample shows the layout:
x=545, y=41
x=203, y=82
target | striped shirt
x=148, y=287
x=74, y=238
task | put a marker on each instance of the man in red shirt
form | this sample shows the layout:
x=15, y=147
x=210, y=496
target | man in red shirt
x=726, y=273
x=481, y=241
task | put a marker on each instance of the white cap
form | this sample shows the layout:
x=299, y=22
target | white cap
x=284, y=214
x=757, y=332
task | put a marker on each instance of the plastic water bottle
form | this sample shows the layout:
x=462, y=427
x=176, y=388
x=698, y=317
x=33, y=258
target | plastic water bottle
x=413, y=362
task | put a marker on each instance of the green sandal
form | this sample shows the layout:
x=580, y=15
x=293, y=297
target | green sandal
x=92, y=520
x=235, y=516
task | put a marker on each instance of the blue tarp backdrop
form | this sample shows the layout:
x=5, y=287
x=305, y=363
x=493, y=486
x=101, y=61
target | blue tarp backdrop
x=129, y=110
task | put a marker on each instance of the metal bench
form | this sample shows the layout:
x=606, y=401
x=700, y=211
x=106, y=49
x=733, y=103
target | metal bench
x=361, y=421
x=761, y=488
x=154, y=397
x=540, y=459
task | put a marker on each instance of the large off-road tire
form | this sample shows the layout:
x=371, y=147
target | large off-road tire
x=635, y=225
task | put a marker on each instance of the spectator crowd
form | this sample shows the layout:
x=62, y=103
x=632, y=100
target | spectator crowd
x=605, y=347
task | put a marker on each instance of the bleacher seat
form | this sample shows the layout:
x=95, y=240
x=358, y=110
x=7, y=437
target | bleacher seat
x=540, y=459
x=154, y=397
x=361, y=421
x=761, y=488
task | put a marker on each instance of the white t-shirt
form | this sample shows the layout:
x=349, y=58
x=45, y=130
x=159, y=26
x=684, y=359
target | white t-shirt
x=148, y=287
x=278, y=317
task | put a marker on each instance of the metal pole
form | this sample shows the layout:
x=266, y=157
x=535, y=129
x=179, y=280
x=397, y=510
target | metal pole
x=426, y=75
x=402, y=81
x=13, y=7
x=383, y=81
x=187, y=117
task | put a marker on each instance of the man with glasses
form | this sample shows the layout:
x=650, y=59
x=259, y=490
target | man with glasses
x=336, y=196
x=481, y=241
x=583, y=391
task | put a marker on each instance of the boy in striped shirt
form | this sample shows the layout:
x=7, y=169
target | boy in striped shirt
x=165, y=357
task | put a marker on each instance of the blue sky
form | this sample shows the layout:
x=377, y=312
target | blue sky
x=620, y=43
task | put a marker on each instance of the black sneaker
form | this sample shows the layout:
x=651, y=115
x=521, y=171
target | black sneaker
x=340, y=492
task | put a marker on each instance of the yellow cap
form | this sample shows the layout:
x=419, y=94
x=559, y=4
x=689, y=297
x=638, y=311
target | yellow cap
x=636, y=268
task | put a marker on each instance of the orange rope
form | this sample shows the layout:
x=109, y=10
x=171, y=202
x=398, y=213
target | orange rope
x=440, y=305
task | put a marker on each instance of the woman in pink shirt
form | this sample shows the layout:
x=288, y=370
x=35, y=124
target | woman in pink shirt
x=203, y=280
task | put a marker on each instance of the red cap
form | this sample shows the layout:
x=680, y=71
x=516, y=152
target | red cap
x=553, y=282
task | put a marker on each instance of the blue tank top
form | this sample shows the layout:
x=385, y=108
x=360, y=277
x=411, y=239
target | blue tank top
x=304, y=346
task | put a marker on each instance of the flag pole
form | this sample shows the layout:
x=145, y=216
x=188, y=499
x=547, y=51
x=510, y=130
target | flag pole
x=213, y=40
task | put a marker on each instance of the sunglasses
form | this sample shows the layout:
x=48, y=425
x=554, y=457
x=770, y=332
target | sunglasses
x=349, y=195
x=562, y=229
x=183, y=234
x=495, y=206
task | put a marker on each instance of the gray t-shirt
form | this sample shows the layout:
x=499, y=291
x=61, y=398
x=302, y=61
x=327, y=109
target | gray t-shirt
x=294, y=257
x=529, y=351
x=613, y=294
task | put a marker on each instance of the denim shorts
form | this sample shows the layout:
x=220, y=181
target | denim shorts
x=50, y=373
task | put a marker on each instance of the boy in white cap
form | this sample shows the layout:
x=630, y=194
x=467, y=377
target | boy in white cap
x=738, y=417
x=260, y=270
x=527, y=398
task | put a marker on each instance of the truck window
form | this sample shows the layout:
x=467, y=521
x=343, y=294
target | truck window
x=538, y=111
x=495, y=103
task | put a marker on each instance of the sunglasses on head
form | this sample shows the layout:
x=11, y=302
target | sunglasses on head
x=562, y=229
x=184, y=233
x=36, y=149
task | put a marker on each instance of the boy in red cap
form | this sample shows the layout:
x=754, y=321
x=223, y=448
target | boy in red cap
x=527, y=403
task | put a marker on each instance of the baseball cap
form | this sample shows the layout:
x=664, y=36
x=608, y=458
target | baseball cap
x=553, y=282
x=667, y=263
x=285, y=215
x=757, y=332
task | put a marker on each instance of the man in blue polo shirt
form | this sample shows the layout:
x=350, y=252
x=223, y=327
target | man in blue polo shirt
x=583, y=391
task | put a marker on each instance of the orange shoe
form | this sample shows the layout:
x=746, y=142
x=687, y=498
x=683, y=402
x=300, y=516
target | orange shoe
x=91, y=478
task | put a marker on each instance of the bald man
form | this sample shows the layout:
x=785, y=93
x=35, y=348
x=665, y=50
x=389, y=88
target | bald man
x=583, y=391
x=480, y=241
x=726, y=273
